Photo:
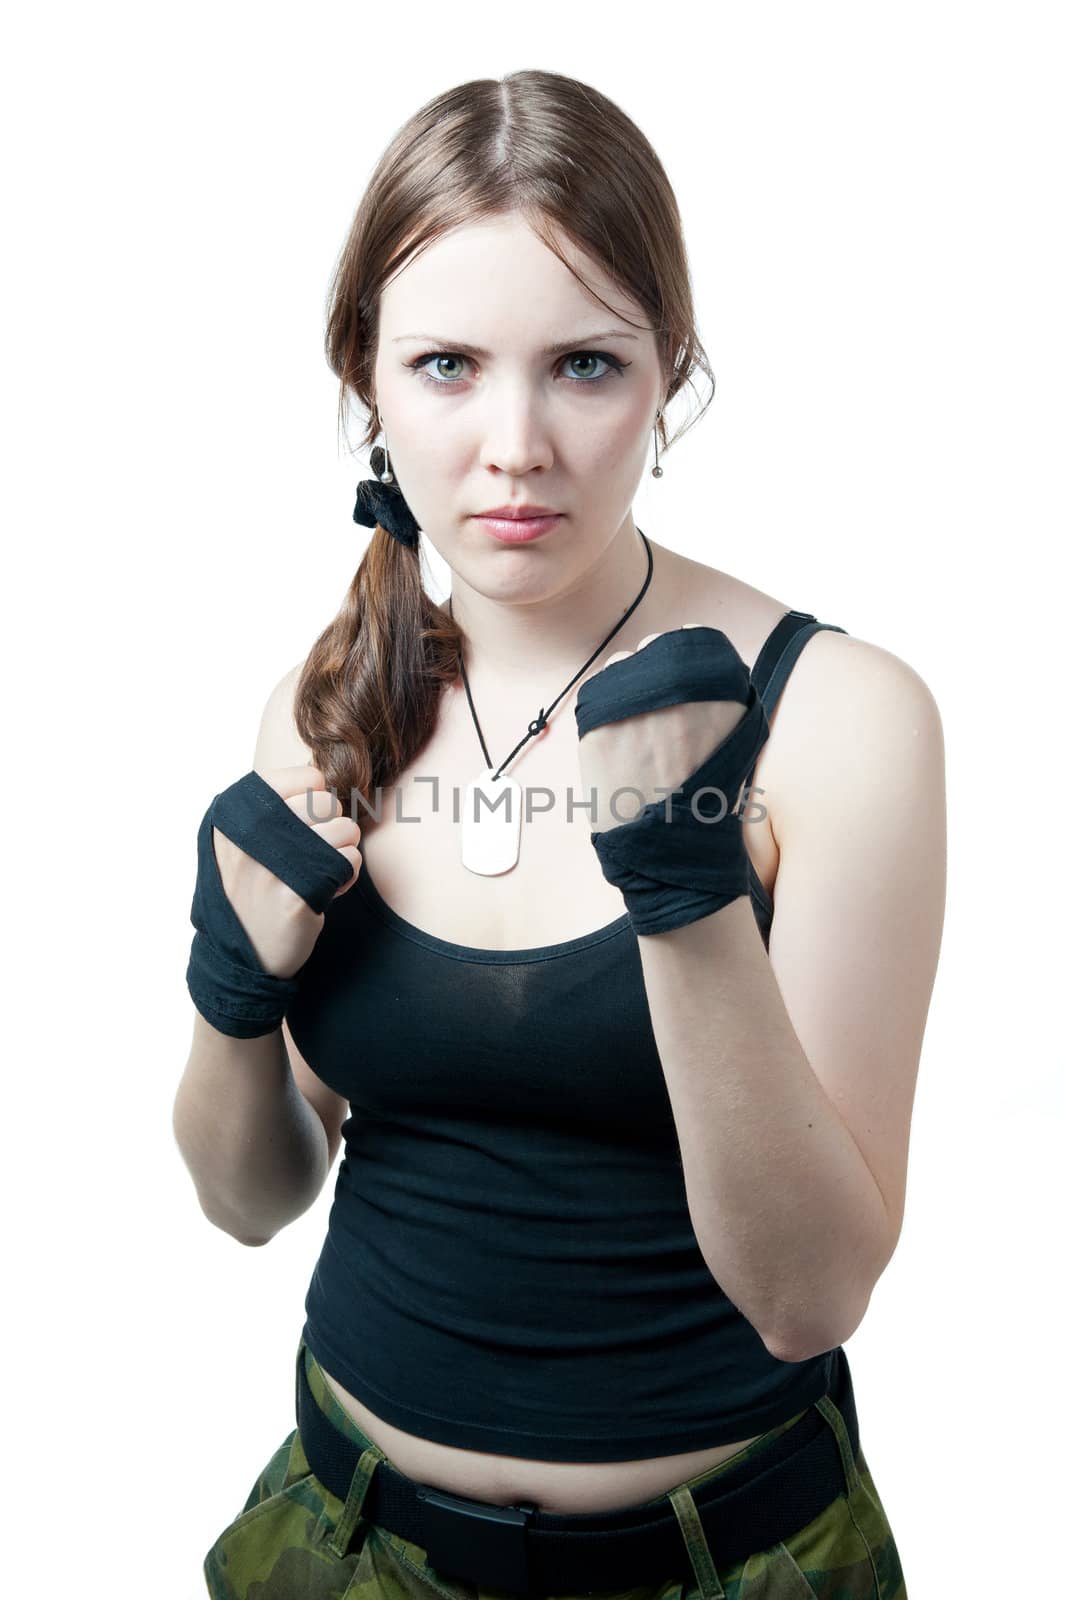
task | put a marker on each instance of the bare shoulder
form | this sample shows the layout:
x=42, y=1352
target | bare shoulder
x=834, y=675
x=839, y=688
x=849, y=707
x=279, y=744
x=846, y=700
x=702, y=594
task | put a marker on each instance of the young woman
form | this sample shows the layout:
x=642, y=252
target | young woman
x=626, y=1091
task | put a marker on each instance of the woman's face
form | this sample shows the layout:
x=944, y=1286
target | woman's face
x=479, y=412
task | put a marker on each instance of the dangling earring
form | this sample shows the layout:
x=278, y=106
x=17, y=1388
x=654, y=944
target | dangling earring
x=386, y=476
x=656, y=470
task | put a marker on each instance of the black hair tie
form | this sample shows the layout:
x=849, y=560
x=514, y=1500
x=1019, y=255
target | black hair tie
x=384, y=503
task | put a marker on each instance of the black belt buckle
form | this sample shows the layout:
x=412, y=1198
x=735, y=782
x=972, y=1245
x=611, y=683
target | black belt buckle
x=473, y=1540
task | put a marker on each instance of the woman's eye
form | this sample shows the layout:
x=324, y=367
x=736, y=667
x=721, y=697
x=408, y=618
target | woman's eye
x=443, y=359
x=592, y=356
x=422, y=360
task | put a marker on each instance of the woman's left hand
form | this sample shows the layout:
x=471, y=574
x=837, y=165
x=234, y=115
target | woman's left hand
x=652, y=752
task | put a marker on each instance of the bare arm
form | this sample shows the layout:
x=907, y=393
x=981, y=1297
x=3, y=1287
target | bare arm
x=257, y=1152
x=257, y=1130
x=792, y=1074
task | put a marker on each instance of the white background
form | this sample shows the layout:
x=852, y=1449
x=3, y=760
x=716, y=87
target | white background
x=871, y=200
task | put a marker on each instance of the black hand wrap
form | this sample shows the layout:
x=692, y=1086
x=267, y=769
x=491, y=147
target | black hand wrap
x=675, y=863
x=226, y=979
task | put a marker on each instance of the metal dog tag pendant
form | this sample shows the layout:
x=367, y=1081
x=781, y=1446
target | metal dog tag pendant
x=491, y=824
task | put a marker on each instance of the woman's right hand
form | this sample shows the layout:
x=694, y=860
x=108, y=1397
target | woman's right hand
x=280, y=924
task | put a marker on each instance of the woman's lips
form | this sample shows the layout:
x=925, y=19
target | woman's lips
x=515, y=530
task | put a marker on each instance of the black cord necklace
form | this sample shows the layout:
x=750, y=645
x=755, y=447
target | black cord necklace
x=491, y=811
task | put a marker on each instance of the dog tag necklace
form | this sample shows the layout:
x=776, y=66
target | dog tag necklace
x=492, y=803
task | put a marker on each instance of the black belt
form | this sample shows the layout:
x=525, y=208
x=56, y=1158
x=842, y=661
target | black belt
x=518, y=1547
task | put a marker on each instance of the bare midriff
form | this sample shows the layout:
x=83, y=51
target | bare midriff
x=561, y=1487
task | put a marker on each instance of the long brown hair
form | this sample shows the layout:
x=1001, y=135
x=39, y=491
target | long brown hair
x=571, y=163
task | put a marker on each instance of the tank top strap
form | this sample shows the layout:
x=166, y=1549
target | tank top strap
x=770, y=672
x=780, y=652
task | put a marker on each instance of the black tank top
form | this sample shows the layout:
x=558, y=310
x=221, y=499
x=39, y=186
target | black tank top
x=510, y=1264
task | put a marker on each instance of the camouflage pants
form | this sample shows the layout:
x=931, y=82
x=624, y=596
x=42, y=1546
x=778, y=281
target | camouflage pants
x=294, y=1540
